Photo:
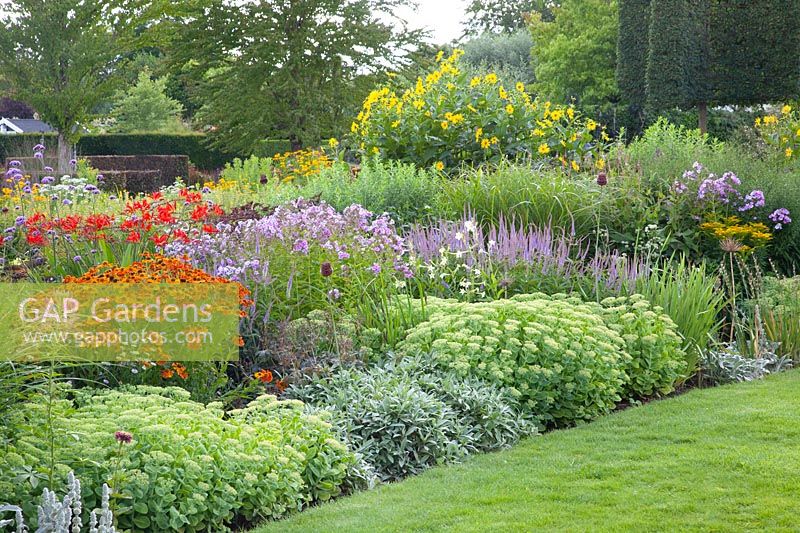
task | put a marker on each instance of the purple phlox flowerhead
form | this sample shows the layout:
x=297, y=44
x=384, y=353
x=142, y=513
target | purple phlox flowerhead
x=752, y=200
x=780, y=217
x=300, y=246
x=697, y=167
x=375, y=268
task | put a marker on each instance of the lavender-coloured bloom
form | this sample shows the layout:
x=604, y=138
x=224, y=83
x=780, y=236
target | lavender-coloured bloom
x=77, y=259
x=90, y=188
x=12, y=229
x=38, y=155
x=112, y=197
x=66, y=201
x=780, y=217
x=26, y=189
x=100, y=177
x=14, y=163
x=334, y=294
x=48, y=169
x=205, y=190
x=375, y=268
x=48, y=180
x=300, y=246
x=678, y=187
x=39, y=148
x=752, y=200
x=20, y=220
x=697, y=167
x=73, y=163
x=54, y=198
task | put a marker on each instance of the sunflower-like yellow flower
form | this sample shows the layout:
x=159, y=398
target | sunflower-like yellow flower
x=544, y=149
x=439, y=166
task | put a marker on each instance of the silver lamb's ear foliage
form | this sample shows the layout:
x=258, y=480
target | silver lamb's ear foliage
x=65, y=516
x=18, y=519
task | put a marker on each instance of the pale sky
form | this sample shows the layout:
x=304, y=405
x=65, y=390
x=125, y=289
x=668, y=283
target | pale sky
x=443, y=18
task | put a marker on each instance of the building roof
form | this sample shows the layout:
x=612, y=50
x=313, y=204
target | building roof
x=24, y=125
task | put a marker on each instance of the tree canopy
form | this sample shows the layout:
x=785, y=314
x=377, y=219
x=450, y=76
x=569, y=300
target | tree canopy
x=296, y=69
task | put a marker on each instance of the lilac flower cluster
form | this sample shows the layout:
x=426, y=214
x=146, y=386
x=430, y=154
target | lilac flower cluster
x=301, y=242
x=721, y=189
x=752, y=200
x=539, y=250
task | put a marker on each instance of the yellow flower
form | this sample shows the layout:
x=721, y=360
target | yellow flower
x=478, y=134
x=758, y=121
x=491, y=78
x=538, y=132
x=510, y=109
x=6, y=191
x=786, y=109
x=575, y=166
x=475, y=81
x=445, y=124
x=395, y=123
x=486, y=143
x=494, y=140
x=439, y=166
x=789, y=152
x=798, y=132
x=571, y=113
x=591, y=125
x=502, y=92
x=439, y=56
x=556, y=115
x=601, y=164
x=354, y=127
x=520, y=86
x=376, y=150
x=544, y=149
x=333, y=143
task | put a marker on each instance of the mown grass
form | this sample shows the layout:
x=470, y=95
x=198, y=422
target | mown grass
x=723, y=459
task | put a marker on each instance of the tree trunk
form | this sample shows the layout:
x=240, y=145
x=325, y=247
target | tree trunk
x=702, y=117
x=64, y=155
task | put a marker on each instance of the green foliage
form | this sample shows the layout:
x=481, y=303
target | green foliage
x=189, y=467
x=575, y=54
x=498, y=16
x=557, y=355
x=508, y=54
x=779, y=307
x=450, y=118
x=271, y=147
x=64, y=57
x=145, y=107
x=193, y=145
x=634, y=19
x=692, y=299
x=282, y=70
x=526, y=196
x=651, y=339
x=405, y=192
x=405, y=417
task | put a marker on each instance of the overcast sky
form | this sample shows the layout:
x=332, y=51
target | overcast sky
x=442, y=17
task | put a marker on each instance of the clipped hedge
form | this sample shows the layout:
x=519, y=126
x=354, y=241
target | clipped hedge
x=189, y=467
x=189, y=144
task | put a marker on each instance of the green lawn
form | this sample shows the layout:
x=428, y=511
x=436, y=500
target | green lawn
x=723, y=459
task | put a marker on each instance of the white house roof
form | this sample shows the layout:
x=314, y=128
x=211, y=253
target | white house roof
x=24, y=125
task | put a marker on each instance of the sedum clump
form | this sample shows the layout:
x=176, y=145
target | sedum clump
x=188, y=466
x=566, y=360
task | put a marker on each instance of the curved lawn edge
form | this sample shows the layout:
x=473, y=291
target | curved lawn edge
x=723, y=459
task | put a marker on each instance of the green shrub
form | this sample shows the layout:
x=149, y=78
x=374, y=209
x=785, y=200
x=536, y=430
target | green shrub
x=651, y=339
x=189, y=467
x=270, y=147
x=557, y=355
x=779, y=308
x=405, y=416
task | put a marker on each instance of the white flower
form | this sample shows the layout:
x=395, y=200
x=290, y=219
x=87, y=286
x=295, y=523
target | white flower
x=492, y=244
x=471, y=226
x=459, y=236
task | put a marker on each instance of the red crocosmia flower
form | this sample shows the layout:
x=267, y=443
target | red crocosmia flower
x=164, y=213
x=217, y=210
x=181, y=235
x=191, y=197
x=156, y=196
x=210, y=228
x=35, y=238
x=98, y=222
x=134, y=236
x=160, y=240
x=200, y=212
x=69, y=224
